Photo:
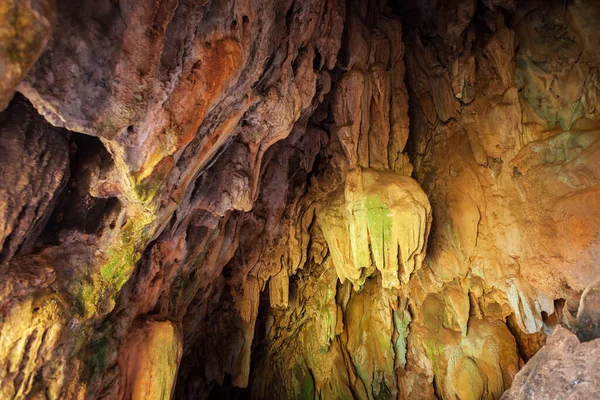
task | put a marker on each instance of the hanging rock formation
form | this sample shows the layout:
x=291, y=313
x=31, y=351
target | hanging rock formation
x=380, y=221
x=321, y=199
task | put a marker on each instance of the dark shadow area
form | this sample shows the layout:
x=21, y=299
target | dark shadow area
x=76, y=208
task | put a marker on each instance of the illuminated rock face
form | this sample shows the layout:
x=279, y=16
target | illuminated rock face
x=298, y=199
x=564, y=366
x=152, y=351
x=381, y=222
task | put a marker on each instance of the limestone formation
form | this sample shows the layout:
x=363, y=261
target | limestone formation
x=321, y=199
x=564, y=367
x=26, y=28
x=382, y=223
x=151, y=355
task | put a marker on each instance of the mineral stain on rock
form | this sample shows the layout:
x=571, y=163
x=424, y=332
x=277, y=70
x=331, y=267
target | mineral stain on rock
x=324, y=199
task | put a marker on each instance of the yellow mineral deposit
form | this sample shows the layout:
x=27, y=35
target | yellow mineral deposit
x=381, y=222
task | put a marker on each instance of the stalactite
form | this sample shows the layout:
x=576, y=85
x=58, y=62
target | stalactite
x=288, y=199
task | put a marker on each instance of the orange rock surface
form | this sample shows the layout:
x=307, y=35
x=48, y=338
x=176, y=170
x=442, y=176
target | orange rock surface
x=319, y=199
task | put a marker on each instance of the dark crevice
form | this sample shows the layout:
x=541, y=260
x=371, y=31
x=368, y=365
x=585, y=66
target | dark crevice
x=76, y=209
x=527, y=344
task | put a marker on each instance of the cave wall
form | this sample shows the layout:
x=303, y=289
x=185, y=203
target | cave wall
x=321, y=199
x=504, y=141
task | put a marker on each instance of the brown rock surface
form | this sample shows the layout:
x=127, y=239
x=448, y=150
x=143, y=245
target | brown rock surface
x=25, y=27
x=564, y=368
x=297, y=199
x=34, y=168
x=150, y=357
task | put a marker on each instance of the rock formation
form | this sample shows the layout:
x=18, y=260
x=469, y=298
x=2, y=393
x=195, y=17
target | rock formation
x=561, y=368
x=299, y=199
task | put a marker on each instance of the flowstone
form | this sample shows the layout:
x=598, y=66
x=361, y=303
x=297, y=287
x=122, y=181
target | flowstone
x=380, y=221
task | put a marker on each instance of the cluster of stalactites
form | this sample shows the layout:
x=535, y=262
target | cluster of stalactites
x=381, y=221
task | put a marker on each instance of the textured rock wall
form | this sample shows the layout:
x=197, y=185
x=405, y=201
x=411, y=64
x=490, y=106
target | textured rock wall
x=179, y=103
x=506, y=149
x=296, y=199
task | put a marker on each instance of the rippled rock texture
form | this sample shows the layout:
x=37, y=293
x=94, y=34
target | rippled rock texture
x=299, y=199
